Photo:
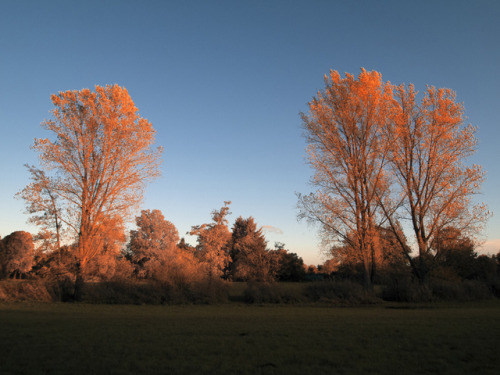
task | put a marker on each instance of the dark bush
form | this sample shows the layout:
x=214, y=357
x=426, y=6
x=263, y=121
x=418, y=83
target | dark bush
x=468, y=290
x=343, y=292
x=122, y=292
x=485, y=269
x=436, y=290
x=25, y=290
x=476, y=290
x=62, y=289
x=406, y=290
x=350, y=272
x=217, y=291
x=494, y=287
x=154, y=292
x=262, y=292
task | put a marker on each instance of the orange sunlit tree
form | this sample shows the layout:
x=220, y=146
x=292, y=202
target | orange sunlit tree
x=102, y=157
x=213, y=243
x=381, y=157
x=345, y=133
x=151, y=244
x=428, y=146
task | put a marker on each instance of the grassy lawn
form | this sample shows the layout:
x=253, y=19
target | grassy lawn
x=245, y=339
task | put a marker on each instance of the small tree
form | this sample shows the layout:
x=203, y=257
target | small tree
x=453, y=253
x=16, y=254
x=152, y=242
x=249, y=258
x=213, y=239
x=285, y=266
x=43, y=204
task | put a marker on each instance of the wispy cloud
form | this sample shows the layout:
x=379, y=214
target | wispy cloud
x=271, y=229
x=490, y=247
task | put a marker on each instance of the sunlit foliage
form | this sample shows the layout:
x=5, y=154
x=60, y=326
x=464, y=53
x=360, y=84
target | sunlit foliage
x=344, y=130
x=152, y=243
x=108, y=264
x=213, y=240
x=379, y=156
x=432, y=187
x=101, y=157
x=16, y=254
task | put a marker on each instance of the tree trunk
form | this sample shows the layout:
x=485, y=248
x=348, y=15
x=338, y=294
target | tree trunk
x=79, y=282
x=422, y=265
x=367, y=275
x=422, y=269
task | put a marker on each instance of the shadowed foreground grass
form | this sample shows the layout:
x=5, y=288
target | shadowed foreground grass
x=242, y=339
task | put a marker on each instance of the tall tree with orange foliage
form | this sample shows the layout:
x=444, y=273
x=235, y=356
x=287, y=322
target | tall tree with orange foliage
x=429, y=144
x=347, y=150
x=102, y=157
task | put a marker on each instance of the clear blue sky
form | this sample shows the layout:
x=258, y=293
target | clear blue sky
x=223, y=83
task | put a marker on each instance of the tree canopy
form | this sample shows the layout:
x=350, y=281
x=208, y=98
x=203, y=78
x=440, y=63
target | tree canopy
x=249, y=258
x=153, y=239
x=213, y=239
x=379, y=157
x=429, y=144
x=101, y=157
x=16, y=254
x=344, y=131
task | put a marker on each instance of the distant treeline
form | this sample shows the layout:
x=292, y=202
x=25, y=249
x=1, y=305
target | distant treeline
x=156, y=266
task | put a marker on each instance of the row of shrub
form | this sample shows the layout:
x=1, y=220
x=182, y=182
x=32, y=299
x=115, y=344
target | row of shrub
x=439, y=290
x=351, y=293
x=149, y=292
x=114, y=292
x=332, y=292
x=341, y=292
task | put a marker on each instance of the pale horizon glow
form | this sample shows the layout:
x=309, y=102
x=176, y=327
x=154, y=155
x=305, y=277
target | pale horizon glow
x=489, y=247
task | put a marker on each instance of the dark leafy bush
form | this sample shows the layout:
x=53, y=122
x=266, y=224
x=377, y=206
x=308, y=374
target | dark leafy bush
x=262, y=292
x=216, y=291
x=468, y=290
x=342, y=292
x=406, y=290
x=25, y=290
x=62, y=289
x=118, y=292
x=154, y=292
x=494, y=287
x=436, y=290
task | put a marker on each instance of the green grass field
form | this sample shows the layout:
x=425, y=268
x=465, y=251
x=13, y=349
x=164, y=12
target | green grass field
x=247, y=339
